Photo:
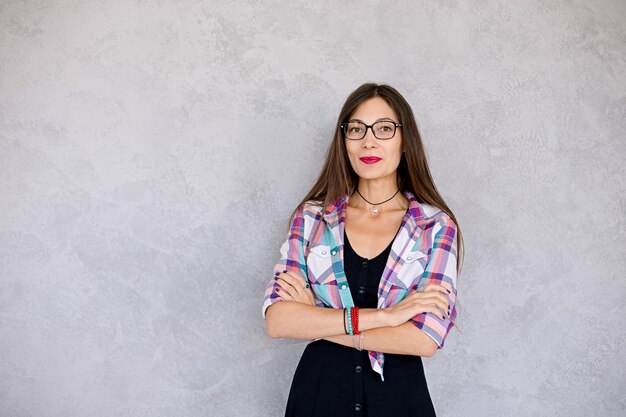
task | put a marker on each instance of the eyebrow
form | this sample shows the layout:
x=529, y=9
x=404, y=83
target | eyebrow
x=388, y=119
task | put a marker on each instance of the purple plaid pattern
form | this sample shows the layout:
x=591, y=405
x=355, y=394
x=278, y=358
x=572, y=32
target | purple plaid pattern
x=423, y=252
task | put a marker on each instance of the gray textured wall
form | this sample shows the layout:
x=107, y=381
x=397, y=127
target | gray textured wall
x=151, y=151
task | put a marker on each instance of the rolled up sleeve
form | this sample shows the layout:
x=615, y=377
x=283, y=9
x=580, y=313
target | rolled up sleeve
x=292, y=258
x=441, y=270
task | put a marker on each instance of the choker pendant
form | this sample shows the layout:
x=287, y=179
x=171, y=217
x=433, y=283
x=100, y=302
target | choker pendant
x=375, y=211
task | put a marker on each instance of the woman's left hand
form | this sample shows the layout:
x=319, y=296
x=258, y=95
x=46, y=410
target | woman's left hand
x=293, y=287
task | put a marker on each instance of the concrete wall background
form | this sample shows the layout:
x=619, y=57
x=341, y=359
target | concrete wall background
x=151, y=151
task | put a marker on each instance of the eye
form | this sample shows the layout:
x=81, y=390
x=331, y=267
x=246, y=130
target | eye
x=384, y=127
x=354, y=128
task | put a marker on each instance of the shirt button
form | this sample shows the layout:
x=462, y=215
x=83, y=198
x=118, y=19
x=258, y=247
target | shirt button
x=358, y=369
x=357, y=407
x=343, y=286
x=364, y=264
x=334, y=252
x=408, y=258
x=324, y=252
x=361, y=290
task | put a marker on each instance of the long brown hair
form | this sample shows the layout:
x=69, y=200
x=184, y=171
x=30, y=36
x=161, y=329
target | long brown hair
x=338, y=177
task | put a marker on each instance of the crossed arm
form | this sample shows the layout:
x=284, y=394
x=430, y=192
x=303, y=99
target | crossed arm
x=384, y=330
x=400, y=328
x=301, y=321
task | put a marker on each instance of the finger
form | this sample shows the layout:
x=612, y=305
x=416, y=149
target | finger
x=284, y=291
x=436, y=311
x=297, y=292
x=432, y=298
x=443, y=301
x=292, y=290
x=297, y=277
x=426, y=294
x=295, y=281
x=436, y=287
x=284, y=294
x=311, y=296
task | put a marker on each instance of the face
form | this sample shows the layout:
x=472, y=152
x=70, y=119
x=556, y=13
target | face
x=389, y=151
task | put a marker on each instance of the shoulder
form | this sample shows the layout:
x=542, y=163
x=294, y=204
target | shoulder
x=307, y=214
x=310, y=209
x=434, y=218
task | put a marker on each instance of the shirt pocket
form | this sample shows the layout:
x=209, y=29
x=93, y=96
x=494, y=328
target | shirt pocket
x=413, y=264
x=320, y=265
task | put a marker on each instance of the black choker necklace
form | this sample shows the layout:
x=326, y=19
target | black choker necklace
x=374, y=210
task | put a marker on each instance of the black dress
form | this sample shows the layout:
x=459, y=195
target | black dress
x=333, y=380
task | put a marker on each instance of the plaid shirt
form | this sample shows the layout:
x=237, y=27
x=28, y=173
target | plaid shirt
x=424, y=251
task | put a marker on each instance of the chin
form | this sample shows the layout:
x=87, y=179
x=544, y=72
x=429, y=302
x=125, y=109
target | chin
x=371, y=176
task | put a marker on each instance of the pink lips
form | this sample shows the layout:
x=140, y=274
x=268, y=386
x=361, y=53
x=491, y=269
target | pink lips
x=370, y=159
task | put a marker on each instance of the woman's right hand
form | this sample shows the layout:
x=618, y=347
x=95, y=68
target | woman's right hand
x=430, y=300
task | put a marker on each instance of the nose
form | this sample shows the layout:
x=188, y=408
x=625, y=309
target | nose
x=369, y=139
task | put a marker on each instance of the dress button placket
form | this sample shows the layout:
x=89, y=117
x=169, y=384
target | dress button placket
x=358, y=380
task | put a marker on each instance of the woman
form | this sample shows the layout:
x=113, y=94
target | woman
x=368, y=269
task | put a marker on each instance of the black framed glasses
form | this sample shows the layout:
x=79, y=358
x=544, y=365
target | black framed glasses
x=383, y=129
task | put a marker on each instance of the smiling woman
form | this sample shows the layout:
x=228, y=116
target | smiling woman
x=368, y=271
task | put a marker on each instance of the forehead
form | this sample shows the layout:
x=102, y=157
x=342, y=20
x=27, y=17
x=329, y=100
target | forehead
x=373, y=109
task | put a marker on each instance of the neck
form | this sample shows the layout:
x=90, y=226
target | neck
x=378, y=190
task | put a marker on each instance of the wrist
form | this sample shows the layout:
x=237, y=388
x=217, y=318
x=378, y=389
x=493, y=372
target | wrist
x=373, y=318
x=384, y=317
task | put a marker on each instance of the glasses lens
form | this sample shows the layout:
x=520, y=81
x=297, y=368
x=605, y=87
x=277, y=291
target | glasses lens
x=354, y=130
x=384, y=130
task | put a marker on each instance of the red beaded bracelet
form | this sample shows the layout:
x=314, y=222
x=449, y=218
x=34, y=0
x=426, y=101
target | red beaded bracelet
x=355, y=319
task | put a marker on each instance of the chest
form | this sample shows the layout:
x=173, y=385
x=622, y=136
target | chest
x=368, y=235
x=403, y=268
